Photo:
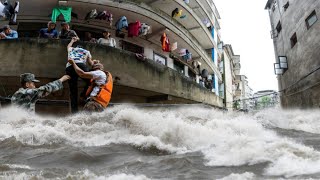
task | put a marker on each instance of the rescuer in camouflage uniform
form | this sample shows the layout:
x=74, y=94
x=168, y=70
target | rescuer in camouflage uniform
x=28, y=94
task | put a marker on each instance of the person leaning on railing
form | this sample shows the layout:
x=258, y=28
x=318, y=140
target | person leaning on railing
x=8, y=33
x=49, y=32
x=66, y=32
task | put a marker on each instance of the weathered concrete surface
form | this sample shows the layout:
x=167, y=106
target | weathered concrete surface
x=138, y=81
x=159, y=22
x=303, y=58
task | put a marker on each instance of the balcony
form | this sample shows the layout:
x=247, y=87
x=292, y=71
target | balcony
x=236, y=69
x=192, y=22
x=159, y=21
x=203, y=10
x=47, y=59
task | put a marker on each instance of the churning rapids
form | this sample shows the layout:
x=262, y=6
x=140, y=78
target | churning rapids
x=161, y=143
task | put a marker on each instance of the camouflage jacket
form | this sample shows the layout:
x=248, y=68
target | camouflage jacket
x=26, y=98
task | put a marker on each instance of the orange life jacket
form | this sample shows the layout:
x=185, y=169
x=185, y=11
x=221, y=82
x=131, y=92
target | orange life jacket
x=104, y=95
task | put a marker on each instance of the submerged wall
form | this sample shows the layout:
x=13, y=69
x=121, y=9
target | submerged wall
x=136, y=81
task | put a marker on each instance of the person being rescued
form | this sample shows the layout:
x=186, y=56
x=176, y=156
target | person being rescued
x=99, y=93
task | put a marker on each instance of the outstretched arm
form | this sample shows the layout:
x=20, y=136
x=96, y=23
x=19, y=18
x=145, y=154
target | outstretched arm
x=74, y=39
x=80, y=72
x=47, y=89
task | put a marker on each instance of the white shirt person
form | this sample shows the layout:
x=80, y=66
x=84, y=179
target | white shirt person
x=107, y=40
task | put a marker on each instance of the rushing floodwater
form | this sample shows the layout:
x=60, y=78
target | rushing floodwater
x=164, y=143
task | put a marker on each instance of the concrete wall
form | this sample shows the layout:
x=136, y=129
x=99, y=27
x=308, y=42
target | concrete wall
x=132, y=11
x=303, y=57
x=228, y=80
x=47, y=59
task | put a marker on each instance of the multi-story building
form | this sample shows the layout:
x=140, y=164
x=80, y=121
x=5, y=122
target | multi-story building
x=296, y=37
x=265, y=99
x=231, y=69
x=244, y=93
x=238, y=93
x=170, y=78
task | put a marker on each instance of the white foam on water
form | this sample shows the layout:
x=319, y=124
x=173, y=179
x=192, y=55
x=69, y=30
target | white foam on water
x=87, y=174
x=244, y=176
x=225, y=139
x=301, y=120
x=126, y=177
x=84, y=175
x=18, y=166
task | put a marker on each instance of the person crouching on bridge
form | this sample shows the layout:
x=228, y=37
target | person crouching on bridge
x=100, y=90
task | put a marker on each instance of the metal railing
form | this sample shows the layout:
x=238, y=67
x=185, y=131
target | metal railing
x=179, y=26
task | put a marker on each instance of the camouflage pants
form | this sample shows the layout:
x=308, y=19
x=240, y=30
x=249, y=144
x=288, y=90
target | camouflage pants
x=93, y=106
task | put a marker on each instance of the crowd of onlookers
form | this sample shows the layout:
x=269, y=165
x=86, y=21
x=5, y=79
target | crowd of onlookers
x=50, y=32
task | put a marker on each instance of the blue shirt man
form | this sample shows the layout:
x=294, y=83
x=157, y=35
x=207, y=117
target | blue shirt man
x=49, y=32
x=8, y=33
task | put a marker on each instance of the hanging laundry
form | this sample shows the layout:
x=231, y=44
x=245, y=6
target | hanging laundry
x=174, y=46
x=165, y=43
x=104, y=15
x=182, y=52
x=110, y=18
x=133, y=29
x=174, y=12
x=8, y=10
x=206, y=22
x=188, y=56
x=2, y=14
x=13, y=20
x=145, y=29
x=122, y=23
x=179, y=14
x=91, y=15
x=65, y=11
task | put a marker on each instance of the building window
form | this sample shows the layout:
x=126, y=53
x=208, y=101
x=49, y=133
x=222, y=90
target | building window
x=159, y=58
x=285, y=7
x=132, y=47
x=293, y=40
x=279, y=27
x=311, y=19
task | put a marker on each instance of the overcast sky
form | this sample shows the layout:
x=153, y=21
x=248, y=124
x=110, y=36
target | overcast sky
x=246, y=26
